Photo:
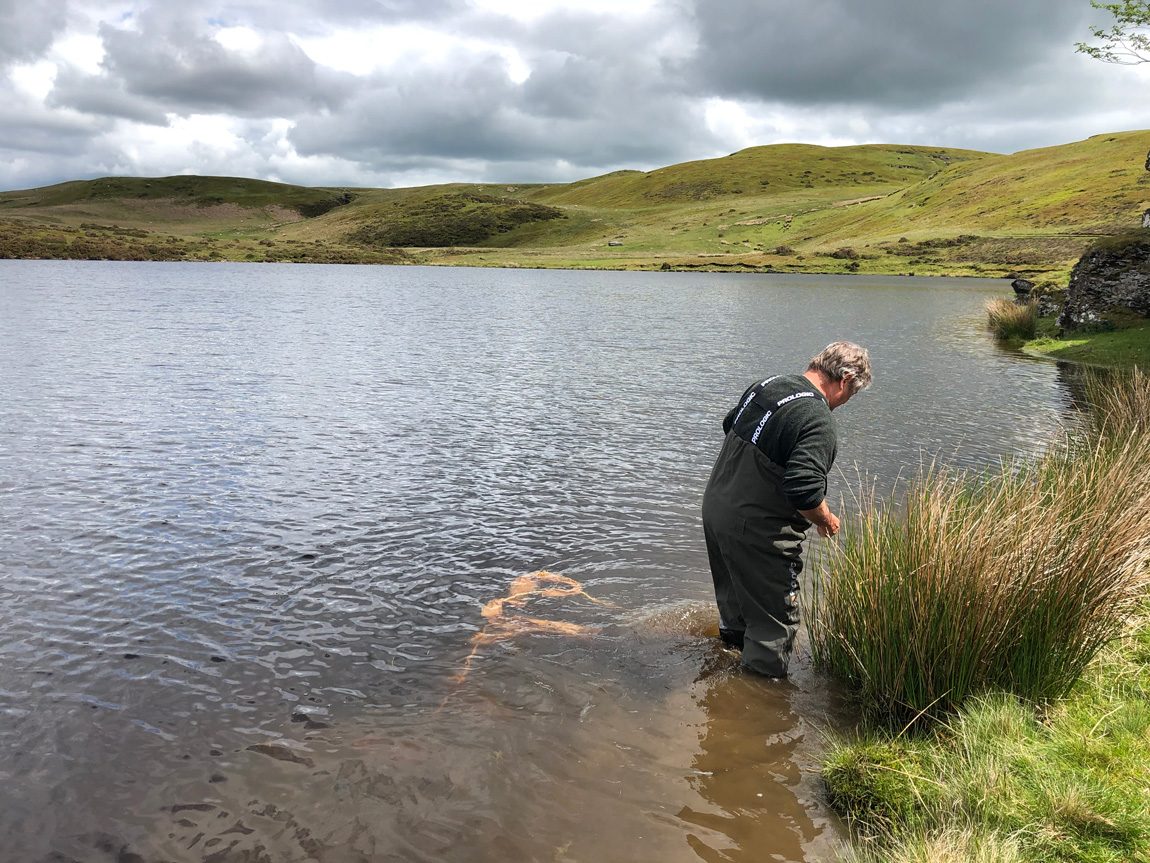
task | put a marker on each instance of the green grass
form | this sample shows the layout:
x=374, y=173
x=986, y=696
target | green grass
x=114, y=243
x=198, y=191
x=997, y=631
x=449, y=220
x=1118, y=348
x=794, y=170
x=999, y=782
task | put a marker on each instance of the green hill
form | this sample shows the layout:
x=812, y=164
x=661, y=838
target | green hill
x=771, y=171
x=198, y=191
x=791, y=207
x=457, y=218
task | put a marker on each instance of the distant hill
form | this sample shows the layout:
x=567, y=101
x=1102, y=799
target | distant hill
x=788, y=207
x=198, y=191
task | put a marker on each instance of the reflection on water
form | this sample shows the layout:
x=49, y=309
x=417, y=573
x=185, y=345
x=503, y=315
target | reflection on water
x=643, y=743
x=750, y=771
x=253, y=516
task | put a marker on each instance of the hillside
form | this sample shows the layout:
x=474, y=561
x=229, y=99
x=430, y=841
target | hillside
x=770, y=172
x=130, y=194
x=788, y=207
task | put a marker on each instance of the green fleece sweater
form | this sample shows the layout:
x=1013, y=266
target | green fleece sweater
x=789, y=421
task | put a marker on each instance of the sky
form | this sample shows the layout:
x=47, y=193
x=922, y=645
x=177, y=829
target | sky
x=392, y=93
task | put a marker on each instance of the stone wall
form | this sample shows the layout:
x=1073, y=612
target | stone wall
x=1113, y=276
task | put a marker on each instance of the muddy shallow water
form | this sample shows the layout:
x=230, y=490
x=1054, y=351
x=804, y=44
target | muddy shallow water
x=253, y=514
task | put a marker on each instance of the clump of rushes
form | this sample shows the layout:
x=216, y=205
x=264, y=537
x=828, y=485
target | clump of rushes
x=1010, y=581
x=1119, y=403
x=1010, y=321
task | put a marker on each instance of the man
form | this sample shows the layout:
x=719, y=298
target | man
x=768, y=486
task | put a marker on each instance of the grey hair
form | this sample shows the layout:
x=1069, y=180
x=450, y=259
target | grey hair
x=842, y=358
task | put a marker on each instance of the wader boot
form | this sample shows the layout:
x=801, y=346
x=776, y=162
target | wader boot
x=754, y=545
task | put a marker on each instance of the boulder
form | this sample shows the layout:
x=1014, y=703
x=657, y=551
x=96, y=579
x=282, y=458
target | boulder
x=1113, y=276
x=1022, y=289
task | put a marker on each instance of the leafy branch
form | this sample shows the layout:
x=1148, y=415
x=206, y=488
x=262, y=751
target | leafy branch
x=1127, y=42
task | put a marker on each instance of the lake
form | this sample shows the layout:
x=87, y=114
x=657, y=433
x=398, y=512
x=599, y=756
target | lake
x=252, y=515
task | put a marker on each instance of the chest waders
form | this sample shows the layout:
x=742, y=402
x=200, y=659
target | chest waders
x=754, y=546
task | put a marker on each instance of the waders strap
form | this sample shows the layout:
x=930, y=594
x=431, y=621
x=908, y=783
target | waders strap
x=770, y=409
x=752, y=394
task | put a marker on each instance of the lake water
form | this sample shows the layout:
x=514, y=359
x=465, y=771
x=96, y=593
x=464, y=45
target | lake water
x=251, y=515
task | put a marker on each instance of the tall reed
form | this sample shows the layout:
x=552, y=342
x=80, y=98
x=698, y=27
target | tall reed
x=1013, y=579
x=1009, y=320
x=1119, y=403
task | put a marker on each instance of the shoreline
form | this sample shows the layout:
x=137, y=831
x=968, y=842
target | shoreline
x=1116, y=349
x=989, y=256
x=729, y=269
x=1124, y=347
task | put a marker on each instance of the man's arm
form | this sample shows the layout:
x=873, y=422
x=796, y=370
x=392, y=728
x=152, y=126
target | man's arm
x=826, y=521
x=810, y=458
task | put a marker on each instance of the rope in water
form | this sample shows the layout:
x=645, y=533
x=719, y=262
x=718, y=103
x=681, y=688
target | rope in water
x=501, y=625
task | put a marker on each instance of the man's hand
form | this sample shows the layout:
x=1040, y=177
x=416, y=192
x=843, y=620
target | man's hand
x=829, y=529
x=826, y=521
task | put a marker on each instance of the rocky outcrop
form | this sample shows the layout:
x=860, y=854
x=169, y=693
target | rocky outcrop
x=1113, y=276
x=1049, y=304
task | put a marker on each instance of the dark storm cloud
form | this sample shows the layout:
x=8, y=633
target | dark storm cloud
x=459, y=111
x=584, y=64
x=27, y=28
x=171, y=64
x=902, y=53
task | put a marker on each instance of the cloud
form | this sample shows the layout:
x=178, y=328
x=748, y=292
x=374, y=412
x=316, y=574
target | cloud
x=102, y=96
x=170, y=63
x=319, y=16
x=478, y=113
x=39, y=146
x=902, y=53
x=27, y=29
x=589, y=101
x=49, y=135
x=424, y=91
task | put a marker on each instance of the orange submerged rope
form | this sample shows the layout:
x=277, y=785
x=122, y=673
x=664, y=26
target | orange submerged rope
x=502, y=625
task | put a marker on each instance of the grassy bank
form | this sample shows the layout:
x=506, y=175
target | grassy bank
x=996, y=633
x=999, y=782
x=1125, y=346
